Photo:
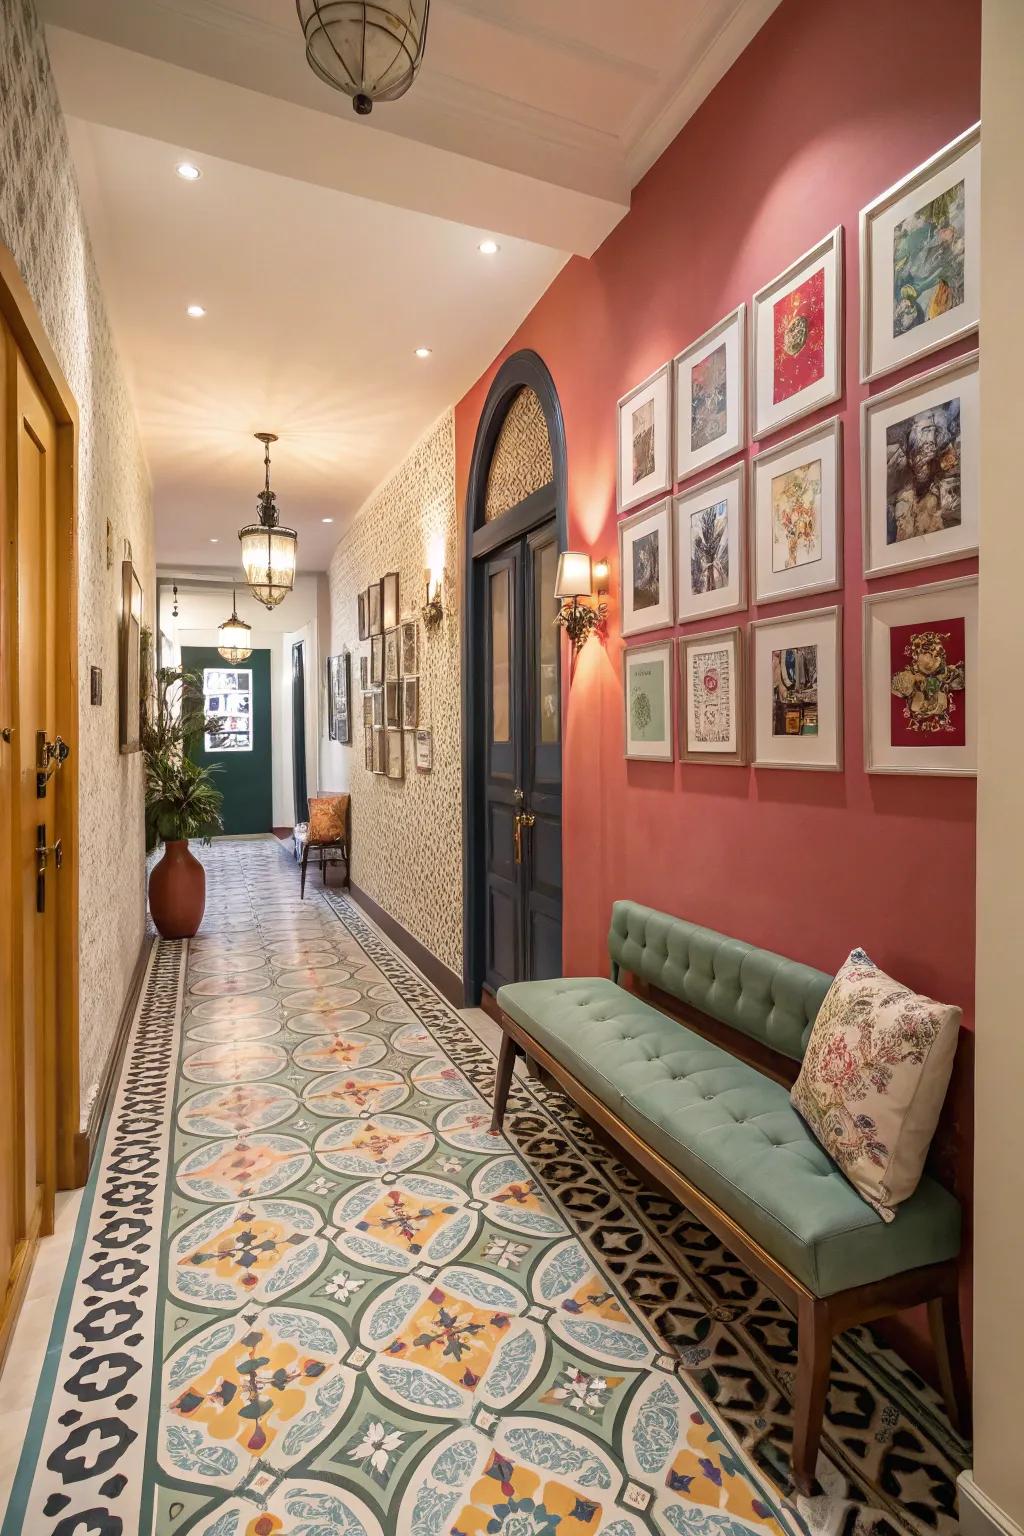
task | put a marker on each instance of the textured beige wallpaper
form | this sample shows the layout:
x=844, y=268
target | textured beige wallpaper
x=41, y=221
x=407, y=836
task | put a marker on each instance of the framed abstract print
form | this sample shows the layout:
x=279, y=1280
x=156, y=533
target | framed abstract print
x=389, y=600
x=424, y=751
x=796, y=690
x=362, y=616
x=921, y=679
x=710, y=537
x=394, y=754
x=712, y=698
x=645, y=569
x=645, y=440
x=710, y=395
x=374, y=609
x=648, y=698
x=798, y=344
x=920, y=259
x=410, y=647
x=796, y=492
x=376, y=660
x=920, y=470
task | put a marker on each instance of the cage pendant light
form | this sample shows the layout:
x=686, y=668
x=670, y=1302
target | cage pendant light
x=268, y=550
x=370, y=51
x=235, y=636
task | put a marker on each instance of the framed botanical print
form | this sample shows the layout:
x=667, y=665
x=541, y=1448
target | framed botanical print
x=392, y=703
x=129, y=672
x=376, y=660
x=364, y=672
x=648, y=698
x=391, y=655
x=342, y=698
x=645, y=440
x=797, y=491
x=710, y=396
x=377, y=696
x=394, y=758
x=798, y=345
x=410, y=702
x=389, y=600
x=921, y=679
x=332, y=697
x=921, y=470
x=710, y=536
x=410, y=647
x=796, y=688
x=368, y=748
x=645, y=568
x=368, y=720
x=362, y=616
x=920, y=246
x=424, y=751
x=712, y=698
x=374, y=609
x=380, y=763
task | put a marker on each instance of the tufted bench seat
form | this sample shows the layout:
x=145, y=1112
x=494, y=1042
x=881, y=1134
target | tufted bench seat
x=724, y=1137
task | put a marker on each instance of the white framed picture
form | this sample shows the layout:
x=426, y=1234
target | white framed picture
x=710, y=539
x=796, y=496
x=424, y=750
x=796, y=687
x=798, y=343
x=712, y=697
x=921, y=470
x=710, y=396
x=648, y=694
x=645, y=440
x=920, y=245
x=645, y=569
x=921, y=679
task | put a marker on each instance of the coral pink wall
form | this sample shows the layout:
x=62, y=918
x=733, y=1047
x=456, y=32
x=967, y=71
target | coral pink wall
x=830, y=104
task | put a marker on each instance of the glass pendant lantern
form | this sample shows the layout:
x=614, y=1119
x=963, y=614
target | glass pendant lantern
x=371, y=51
x=268, y=550
x=234, y=636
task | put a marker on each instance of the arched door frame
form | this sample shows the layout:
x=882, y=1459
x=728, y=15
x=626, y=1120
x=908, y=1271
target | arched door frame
x=523, y=370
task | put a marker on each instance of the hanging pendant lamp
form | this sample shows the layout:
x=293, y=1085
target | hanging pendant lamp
x=268, y=550
x=370, y=51
x=235, y=642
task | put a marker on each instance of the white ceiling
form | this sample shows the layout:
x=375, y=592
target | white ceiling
x=325, y=247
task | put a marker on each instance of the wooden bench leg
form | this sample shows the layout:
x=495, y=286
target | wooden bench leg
x=947, y=1341
x=503, y=1080
x=533, y=1069
x=814, y=1358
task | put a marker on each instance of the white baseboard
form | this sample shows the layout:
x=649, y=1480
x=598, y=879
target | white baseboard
x=978, y=1515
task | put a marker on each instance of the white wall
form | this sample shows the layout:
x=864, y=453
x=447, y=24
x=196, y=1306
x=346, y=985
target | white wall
x=200, y=611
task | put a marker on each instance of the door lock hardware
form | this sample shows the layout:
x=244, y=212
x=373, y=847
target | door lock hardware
x=7, y=733
x=43, y=851
x=50, y=755
x=523, y=819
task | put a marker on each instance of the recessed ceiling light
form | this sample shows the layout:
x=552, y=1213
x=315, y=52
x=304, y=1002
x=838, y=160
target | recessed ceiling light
x=422, y=351
x=187, y=171
x=215, y=541
x=196, y=311
x=327, y=519
x=488, y=247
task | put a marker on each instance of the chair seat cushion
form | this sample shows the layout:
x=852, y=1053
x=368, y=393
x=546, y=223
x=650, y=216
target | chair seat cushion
x=733, y=1133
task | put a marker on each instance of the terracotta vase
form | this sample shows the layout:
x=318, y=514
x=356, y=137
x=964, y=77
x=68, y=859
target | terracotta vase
x=177, y=891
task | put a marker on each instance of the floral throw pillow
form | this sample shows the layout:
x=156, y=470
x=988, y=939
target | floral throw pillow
x=873, y=1079
x=327, y=815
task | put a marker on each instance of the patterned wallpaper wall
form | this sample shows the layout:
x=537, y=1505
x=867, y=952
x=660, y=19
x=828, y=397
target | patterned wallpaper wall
x=407, y=835
x=521, y=462
x=42, y=223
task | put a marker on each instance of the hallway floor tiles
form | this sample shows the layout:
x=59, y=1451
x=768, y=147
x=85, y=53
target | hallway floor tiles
x=311, y=1292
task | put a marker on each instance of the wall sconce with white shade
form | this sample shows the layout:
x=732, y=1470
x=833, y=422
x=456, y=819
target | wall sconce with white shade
x=577, y=579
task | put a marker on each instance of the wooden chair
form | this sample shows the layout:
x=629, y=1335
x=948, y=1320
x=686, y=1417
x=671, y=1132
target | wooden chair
x=327, y=835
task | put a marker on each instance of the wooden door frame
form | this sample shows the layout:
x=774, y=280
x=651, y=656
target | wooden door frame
x=22, y=319
x=523, y=370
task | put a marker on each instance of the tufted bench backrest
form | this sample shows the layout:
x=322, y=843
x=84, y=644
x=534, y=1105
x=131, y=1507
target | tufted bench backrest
x=766, y=996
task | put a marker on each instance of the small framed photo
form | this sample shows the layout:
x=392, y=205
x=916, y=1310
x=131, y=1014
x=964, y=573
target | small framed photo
x=332, y=698
x=395, y=760
x=798, y=344
x=796, y=684
x=374, y=609
x=410, y=702
x=710, y=531
x=797, y=492
x=376, y=660
x=921, y=679
x=342, y=698
x=645, y=440
x=377, y=707
x=368, y=720
x=392, y=703
x=710, y=395
x=424, y=751
x=410, y=647
x=648, y=698
x=645, y=569
x=391, y=655
x=712, y=698
x=364, y=672
x=389, y=600
x=920, y=246
x=368, y=748
x=362, y=616
x=921, y=470
x=380, y=763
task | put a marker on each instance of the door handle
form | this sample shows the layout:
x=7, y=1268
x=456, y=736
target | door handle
x=50, y=755
x=522, y=819
x=42, y=854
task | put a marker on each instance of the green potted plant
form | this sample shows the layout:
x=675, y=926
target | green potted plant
x=181, y=802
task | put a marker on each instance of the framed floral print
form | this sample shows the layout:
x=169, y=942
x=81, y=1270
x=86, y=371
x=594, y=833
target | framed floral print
x=921, y=679
x=796, y=688
x=710, y=395
x=921, y=471
x=798, y=344
x=710, y=536
x=389, y=600
x=920, y=245
x=645, y=569
x=374, y=609
x=712, y=698
x=648, y=698
x=645, y=440
x=796, y=493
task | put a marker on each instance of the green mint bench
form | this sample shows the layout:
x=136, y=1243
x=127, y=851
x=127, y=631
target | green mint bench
x=723, y=1138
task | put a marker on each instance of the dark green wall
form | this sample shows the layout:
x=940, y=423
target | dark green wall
x=245, y=779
